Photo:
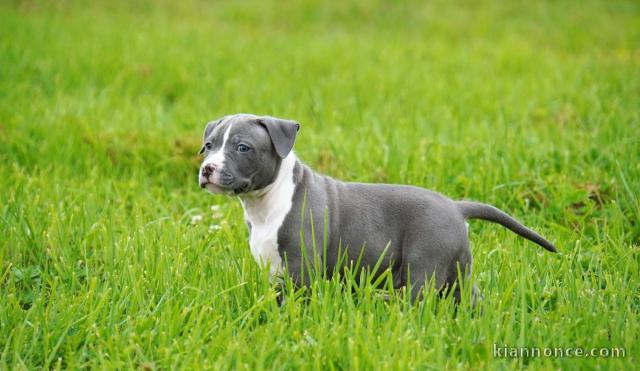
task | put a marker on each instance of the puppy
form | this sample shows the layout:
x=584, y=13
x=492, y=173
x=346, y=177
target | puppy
x=296, y=216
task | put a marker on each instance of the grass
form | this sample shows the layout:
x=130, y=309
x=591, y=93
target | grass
x=104, y=262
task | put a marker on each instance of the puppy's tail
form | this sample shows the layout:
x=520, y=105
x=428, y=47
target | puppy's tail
x=477, y=210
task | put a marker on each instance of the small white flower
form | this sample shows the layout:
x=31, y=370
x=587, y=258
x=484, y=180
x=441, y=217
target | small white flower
x=196, y=219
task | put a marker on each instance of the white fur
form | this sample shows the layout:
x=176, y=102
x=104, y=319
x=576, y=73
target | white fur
x=265, y=210
x=217, y=158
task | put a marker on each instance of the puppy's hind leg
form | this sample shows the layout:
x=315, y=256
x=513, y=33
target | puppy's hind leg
x=428, y=274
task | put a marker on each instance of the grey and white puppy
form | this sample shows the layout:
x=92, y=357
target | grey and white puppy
x=416, y=233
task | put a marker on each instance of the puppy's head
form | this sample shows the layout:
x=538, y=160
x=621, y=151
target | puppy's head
x=243, y=153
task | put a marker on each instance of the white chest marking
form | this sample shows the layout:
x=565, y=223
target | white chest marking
x=266, y=210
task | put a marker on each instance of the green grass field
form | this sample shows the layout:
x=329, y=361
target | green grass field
x=112, y=257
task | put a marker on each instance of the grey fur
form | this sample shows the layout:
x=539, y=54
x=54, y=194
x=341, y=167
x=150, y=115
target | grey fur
x=282, y=133
x=244, y=173
x=418, y=234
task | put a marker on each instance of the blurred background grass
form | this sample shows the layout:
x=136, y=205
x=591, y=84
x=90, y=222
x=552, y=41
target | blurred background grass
x=531, y=106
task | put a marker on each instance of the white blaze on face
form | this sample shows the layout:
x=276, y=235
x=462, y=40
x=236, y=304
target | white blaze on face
x=217, y=158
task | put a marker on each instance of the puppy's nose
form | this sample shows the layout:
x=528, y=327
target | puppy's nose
x=208, y=169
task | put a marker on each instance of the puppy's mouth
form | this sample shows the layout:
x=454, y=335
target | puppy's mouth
x=221, y=185
x=212, y=188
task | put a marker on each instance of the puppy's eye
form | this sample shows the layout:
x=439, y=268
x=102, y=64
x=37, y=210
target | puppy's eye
x=243, y=148
x=208, y=146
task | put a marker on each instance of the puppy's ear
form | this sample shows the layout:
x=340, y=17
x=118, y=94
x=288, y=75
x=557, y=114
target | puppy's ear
x=282, y=132
x=210, y=126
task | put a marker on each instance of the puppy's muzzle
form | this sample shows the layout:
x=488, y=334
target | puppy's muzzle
x=207, y=171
